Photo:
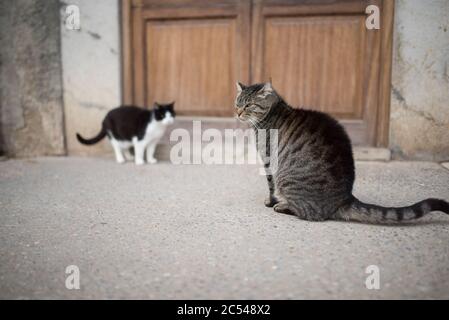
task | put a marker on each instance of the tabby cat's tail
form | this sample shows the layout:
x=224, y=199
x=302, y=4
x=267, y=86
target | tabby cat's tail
x=94, y=140
x=364, y=212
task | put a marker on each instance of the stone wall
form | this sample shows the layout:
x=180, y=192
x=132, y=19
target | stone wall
x=91, y=71
x=420, y=94
x=30, y=78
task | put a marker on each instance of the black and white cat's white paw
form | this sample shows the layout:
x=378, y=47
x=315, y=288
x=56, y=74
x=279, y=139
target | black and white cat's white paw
x=128, y=155
x=152, y=161
x=120, y=160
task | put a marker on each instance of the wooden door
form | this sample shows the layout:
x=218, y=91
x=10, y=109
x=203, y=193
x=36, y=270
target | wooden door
x=191, y=52
x=318, y=53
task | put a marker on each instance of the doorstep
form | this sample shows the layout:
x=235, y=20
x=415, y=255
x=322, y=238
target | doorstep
x=360, y=153
x=182, y=122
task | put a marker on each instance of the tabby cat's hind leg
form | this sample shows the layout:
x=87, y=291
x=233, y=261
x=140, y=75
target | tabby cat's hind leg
x=301, y=212
x=284, y=207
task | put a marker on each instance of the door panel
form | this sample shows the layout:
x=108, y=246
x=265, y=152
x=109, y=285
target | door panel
x=191, y=52
x=194, y=63
x=320, y=56
x=317, y=62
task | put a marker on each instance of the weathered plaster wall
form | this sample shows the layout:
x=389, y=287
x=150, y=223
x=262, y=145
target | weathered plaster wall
x=420, y=100
x=30, y=78
x=91, y=71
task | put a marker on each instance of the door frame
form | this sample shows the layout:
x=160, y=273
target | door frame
x=127, y=79
x=385, y=61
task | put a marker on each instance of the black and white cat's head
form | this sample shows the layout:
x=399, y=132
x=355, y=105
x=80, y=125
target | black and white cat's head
x=253, y=102
x=164, y=112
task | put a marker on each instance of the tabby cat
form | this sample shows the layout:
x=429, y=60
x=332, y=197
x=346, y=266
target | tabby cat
x=133, y=127
x=315, y=170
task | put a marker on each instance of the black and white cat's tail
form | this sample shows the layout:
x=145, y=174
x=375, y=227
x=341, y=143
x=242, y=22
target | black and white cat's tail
x=369, y=213
x=94, y=140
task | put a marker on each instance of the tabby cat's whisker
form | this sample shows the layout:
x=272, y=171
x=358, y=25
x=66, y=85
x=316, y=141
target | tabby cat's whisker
x=254, y=123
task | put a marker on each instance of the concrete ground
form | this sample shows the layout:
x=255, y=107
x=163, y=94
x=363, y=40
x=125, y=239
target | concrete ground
x=201, y=232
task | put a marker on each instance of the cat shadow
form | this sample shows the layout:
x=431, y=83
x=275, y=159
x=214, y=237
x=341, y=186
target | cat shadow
x=410, y=224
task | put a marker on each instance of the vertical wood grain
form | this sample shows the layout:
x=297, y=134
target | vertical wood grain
x=321, y=56
x=315, y=62
x=138, y=57
x=192, y=52
x=126, y=45
x=192, y=62
x=387, y=26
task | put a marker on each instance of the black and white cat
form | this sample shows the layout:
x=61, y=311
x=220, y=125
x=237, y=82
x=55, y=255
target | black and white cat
x=130, y=126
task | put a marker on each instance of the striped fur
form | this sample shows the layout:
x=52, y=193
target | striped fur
x=362, y=212
x=316, y=171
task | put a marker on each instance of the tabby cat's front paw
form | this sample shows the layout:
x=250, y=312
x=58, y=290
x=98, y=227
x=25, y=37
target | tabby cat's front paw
x=270, y=202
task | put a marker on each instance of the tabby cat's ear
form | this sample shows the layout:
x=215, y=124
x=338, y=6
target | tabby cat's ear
x=268, y=87
x=240, y=87
x=266, y=90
